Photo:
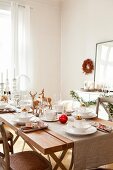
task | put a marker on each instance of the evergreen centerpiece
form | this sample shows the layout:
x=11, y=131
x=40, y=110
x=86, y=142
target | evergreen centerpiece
x=75, y=96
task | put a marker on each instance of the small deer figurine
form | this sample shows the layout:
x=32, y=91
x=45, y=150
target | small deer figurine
x=47, y=100
x=35, y=103
x=4, y=98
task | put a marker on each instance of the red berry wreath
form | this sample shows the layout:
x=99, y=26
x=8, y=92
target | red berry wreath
x=87, y=66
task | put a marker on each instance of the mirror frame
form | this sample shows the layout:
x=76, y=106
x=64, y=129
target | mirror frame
x=96, y=57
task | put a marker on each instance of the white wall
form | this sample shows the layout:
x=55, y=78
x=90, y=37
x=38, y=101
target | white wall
x=45, y=33
x=84, y=23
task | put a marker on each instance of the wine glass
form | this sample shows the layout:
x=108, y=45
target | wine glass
x=25, y=101
x=15, y=98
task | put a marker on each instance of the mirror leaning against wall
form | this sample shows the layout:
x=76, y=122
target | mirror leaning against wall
x=104, y=65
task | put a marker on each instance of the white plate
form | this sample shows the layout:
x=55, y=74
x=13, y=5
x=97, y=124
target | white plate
x=46, y=120
x=88, y=115
x=75, y=131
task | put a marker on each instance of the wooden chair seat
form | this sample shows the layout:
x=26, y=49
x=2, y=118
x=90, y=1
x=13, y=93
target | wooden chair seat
x=29, y=160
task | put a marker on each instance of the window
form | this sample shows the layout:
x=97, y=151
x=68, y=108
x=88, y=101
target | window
x=104, y=65
x=15, y=44
x=5, y=43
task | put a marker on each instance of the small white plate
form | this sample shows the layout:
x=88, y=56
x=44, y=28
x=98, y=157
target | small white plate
x=75, y=131
x=46, y=120
x=68, y=113
x=87, y=115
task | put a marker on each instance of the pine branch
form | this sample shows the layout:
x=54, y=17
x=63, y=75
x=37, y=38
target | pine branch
x=75, y=96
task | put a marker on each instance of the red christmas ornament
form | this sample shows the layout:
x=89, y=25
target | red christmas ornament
x=63, y=118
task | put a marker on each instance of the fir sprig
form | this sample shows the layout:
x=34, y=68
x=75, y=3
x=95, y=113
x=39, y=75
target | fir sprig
x=75, y=96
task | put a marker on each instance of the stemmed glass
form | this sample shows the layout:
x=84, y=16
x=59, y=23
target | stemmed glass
x=25, y=101
x=16, y=98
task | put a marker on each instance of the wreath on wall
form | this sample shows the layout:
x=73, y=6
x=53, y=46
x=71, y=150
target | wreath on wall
x=87, y=66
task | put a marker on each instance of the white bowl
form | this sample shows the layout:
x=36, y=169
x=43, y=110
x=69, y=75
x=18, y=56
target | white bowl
x=23, y=117
x=81, y=125
x=83, y=128
x=3, y=105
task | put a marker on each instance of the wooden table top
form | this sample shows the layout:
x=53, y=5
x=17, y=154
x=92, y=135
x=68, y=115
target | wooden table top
x=46, y=141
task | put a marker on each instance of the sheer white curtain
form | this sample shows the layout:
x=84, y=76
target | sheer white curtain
x=21, y=40
x=5, y=42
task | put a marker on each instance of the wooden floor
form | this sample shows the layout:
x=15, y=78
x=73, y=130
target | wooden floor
x=19, y=145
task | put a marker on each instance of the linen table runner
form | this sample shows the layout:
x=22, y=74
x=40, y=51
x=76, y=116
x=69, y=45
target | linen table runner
x=90, y=151
x=93, y=151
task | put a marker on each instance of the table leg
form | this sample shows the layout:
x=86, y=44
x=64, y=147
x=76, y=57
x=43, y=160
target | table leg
x=72, y=159
x=59, y=160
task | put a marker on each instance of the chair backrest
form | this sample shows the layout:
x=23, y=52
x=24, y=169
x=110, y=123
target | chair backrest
x=5, y=157
x=104, y=101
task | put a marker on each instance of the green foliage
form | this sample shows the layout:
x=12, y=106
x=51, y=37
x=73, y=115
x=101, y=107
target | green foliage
x=110, y=107
x=75, y=96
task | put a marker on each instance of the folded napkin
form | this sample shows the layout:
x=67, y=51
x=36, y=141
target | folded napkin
x=33, y=126
x=102, y=127
x=7, y=110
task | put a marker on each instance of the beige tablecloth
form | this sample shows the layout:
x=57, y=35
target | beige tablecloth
x=94, y=151
x=90, y=151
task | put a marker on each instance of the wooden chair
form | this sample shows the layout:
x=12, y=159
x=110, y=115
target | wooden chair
x=27, y=160
x=102, y=169
x=9, y=136
x=103, y=101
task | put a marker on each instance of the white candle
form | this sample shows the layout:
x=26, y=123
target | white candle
x=7, y=74
x=14, y=72
x=1, y=77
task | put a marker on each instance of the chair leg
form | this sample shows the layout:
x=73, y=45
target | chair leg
x=49, y=158
x=11, y=146
x=23, y=146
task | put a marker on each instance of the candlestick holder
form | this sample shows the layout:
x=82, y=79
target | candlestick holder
x=14, y=85
x=7, y=86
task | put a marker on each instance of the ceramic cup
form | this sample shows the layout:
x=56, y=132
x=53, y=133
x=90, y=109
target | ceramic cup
x=59, y=108
x=50, y=115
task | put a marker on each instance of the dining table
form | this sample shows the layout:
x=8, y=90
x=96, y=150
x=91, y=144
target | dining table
x=88, y=151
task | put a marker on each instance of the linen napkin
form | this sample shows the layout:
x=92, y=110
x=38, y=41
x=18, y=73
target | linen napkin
x=33, y=126
x=102, y=127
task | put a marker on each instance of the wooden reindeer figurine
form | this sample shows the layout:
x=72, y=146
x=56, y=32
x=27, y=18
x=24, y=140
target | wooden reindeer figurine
x=47, y=100
x=4, y=98
x=35, y=103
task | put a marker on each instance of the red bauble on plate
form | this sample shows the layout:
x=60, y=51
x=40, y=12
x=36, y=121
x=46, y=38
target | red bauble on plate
x=63, y=118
